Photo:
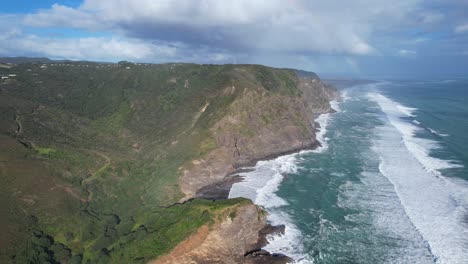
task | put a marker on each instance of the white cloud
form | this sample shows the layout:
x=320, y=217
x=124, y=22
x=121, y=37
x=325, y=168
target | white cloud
x=106, y=49
x=85, y=48
x=461, y=28
x=9, y=26
x=63, y=16
x=325, y=27
x=405, y=52
x=419, y=40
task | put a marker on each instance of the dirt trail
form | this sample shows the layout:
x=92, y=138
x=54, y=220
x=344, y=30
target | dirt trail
x=96, y=174
x=101, y=169
x=75, y=195
x=104, y=156
x=19, y=129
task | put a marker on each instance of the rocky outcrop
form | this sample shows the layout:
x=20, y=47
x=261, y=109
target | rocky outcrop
x=232, y=239
x=259, y=125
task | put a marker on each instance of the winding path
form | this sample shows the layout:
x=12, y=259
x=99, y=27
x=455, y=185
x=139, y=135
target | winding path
x=96, y=173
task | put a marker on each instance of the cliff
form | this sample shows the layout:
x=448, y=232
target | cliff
x=95, y=157
x=233, y=238
x=260, y=124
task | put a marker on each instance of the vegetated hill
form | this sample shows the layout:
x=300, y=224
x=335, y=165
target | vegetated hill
x=92, y=155
x=18, y=60
x=302, y=73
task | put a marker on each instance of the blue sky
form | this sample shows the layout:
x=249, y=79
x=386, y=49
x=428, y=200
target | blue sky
x=381, y=38
x=27, y=6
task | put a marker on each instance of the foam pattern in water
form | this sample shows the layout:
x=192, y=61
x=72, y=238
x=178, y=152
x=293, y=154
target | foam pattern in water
x=260, y=185
x=436, y=205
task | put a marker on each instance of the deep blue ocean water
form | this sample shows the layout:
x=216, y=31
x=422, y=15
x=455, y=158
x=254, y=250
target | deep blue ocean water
x=389, y=185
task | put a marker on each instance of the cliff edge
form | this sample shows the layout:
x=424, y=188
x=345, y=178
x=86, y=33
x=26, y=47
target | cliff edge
x=259, y=124
x=233, y=238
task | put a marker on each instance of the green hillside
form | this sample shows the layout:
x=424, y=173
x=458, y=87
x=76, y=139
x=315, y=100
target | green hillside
x=92, y=154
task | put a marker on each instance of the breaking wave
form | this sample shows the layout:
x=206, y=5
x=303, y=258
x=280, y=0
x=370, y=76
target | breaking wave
x=436, y=205
x=260, y=185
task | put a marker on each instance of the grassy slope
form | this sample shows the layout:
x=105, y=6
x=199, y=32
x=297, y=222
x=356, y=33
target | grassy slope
x=107, y=145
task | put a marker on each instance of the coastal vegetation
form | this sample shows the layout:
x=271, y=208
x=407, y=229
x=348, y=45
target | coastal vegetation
x=92, y=154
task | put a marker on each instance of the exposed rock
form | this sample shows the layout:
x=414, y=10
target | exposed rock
x=137, y=146
x=259, y=126
x=219, y=190
x=264, y=257
x=227, y=241
x=268, y=230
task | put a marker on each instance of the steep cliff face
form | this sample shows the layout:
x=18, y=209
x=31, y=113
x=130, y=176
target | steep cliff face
x=260, y=124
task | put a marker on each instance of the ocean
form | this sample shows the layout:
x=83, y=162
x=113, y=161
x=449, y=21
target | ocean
x=388, y=185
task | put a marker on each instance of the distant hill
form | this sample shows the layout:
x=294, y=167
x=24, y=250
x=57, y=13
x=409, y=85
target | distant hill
x=22, y=60
x=302, y=73
x=18, y=60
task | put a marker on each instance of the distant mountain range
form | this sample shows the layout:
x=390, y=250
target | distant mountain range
x=20, y=60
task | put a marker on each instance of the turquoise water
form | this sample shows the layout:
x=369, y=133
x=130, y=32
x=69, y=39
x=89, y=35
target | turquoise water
x=389, y=185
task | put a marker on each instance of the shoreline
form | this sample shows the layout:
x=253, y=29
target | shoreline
x=261, y=252
x=221, y=190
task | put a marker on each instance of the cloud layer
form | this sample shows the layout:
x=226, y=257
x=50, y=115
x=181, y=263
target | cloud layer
x=226, y=31
x=331, y=27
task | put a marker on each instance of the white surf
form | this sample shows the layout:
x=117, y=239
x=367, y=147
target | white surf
x=436, y=205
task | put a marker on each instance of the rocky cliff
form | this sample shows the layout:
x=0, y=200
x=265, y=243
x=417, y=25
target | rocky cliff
x=233, y=238
x=259, y=124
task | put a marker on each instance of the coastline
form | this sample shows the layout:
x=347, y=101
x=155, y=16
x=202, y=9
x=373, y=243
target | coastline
x=299, y=127
x=222, y=189
x=258, y=127
x=266, y=198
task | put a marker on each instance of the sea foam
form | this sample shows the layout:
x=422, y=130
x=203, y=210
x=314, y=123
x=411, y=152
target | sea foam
x=437, y=133
x=436, y=205
x=260, y=185
x=419, y=147
x=323, y=120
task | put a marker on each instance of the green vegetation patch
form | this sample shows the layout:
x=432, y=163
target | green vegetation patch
x=277, y=80
x=115, y=122
x=45, y=151
x=152, y=233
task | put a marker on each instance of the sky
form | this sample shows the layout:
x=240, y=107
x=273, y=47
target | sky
x=335, y=38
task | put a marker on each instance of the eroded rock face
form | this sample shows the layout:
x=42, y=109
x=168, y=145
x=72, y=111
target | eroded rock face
x=227, y=241
x=264, y=257
x=260, y=125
